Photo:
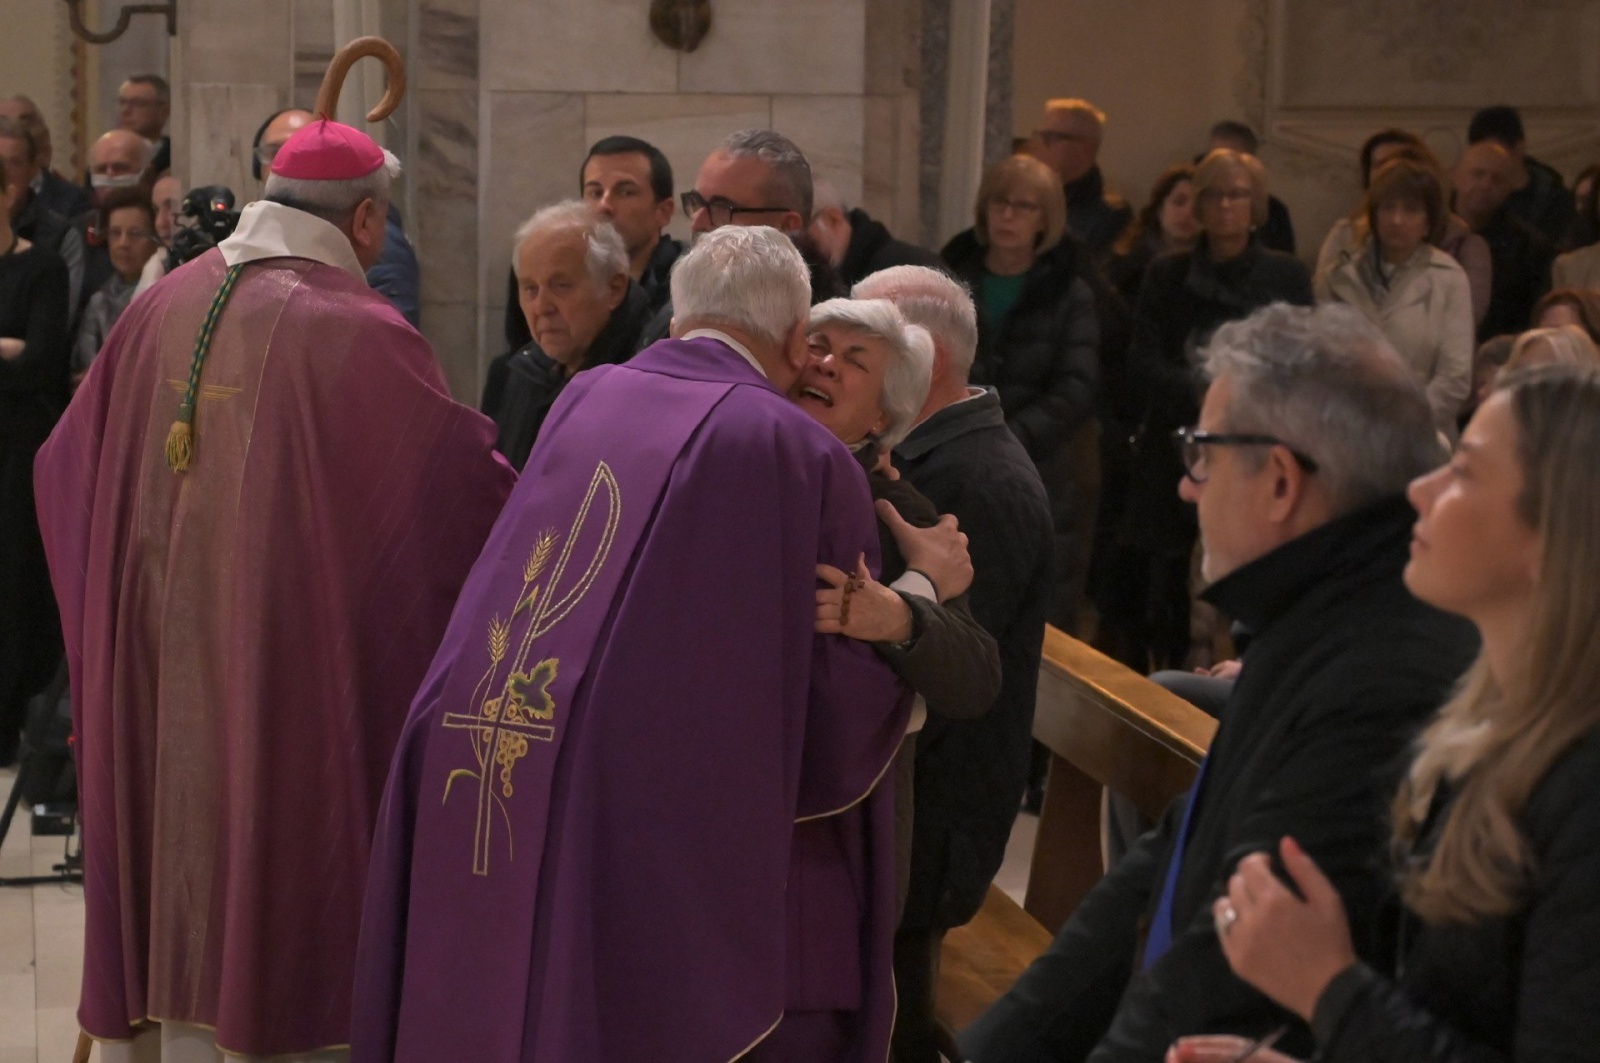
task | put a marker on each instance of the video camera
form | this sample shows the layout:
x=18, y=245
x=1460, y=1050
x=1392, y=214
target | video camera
x=211, y=207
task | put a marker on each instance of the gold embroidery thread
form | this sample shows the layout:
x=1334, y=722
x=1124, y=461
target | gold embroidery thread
x=523, y=709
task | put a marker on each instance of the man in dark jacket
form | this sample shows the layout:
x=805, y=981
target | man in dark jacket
x=1538, y=194
x=854, y=243
x=1068, y=140
x=1519, y=254
x=582, y=309
x=969, y=773
x=1310, y=432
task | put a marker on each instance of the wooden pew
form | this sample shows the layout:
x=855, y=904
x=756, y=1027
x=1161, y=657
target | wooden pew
x=1105, y=726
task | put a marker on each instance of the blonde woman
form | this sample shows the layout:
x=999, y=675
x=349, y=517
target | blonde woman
x=1561, y=345
x=1495, y=826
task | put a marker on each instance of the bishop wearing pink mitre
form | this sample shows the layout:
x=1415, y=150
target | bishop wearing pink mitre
x=258, y=512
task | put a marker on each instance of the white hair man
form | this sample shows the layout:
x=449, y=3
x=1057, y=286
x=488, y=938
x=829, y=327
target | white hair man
x=582, y=310
x=695, y=769
x=963, y=458
x=855, y=244
x=266, y=499
x=1310, y=431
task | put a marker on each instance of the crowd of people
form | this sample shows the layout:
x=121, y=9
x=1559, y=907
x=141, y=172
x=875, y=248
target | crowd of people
x=677, y=702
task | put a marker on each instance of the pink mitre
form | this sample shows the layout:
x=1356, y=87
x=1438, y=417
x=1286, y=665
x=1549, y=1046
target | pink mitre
x=325, y=150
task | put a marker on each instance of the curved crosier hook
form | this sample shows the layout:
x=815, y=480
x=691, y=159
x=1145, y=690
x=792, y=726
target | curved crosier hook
x=345, y=58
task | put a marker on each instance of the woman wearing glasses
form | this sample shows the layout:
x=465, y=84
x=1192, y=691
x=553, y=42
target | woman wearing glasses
x=33, y=392
x=1038, y=337
x=1495, y=824
x=128, y=224
x=1184, y=297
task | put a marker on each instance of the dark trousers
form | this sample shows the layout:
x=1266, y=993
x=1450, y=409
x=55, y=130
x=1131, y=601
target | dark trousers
x=916, y=974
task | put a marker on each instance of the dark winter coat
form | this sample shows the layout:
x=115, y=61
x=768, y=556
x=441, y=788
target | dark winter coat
x=1183, y=299
x=1095, y=216
x=1344, y=669
x=532, y=380
x=872, y=248
x=1520, y=257
x=970, y=773
x=1521, y=987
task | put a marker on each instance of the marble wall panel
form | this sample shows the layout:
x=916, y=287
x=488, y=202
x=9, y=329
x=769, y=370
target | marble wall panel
x=889, y=164
x=447, y=45
x=452, y=329
x=575, y=46
x=444, y=228
x=780, y=46
x=222, y=120
x=831, y=131
x=532, y=143
x=892, y=44
x=684, y=127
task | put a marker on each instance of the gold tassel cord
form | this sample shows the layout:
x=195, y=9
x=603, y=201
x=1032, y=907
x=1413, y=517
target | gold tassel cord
x=180, y=437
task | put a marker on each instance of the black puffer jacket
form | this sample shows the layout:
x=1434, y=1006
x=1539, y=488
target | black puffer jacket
x=1521, y=987
x=531, y=380
x=1043, y=358
x=1183, y=298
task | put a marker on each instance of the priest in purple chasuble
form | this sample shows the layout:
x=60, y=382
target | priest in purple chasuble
x=258, y=511
x=636, y=812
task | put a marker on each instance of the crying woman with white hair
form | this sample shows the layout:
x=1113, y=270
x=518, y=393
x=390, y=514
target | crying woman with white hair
x=866, y=383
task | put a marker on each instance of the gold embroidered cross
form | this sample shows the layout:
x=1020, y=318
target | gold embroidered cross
x=503, y=727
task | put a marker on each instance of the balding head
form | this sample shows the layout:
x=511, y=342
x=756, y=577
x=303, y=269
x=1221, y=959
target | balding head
x=118, y=160
x=1482, y=180
x=275, y=134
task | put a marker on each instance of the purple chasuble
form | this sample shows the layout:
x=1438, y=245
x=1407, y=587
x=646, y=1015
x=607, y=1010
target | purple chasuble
x=635, y=811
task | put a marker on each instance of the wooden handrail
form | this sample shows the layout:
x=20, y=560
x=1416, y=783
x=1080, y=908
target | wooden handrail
x=1106, y=726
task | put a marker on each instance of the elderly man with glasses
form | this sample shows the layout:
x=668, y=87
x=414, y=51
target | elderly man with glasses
x=1310, y=431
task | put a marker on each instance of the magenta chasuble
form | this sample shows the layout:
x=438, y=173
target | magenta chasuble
x=638, y=810
x=244, y=639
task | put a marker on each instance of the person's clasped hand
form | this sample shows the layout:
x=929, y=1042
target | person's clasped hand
x=939, y=552
x=868, y=610
x=1288, y=948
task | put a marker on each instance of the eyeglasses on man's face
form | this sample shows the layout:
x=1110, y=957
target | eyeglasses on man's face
x=722, y=211
x=1192, y=444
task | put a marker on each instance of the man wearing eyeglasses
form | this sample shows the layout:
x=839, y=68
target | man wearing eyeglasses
x=1068, y=141
x=144, y=103
x=1310, y=431
x=754, y=177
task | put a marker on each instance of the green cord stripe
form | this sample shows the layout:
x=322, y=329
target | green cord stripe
x=180, y=440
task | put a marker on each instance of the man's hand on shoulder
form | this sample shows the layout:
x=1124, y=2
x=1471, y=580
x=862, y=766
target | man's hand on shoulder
x=939, y=553
x=859, y=607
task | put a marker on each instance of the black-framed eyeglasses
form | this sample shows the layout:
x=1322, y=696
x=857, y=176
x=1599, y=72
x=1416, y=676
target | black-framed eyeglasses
x=721, y=210
x=1192, y=443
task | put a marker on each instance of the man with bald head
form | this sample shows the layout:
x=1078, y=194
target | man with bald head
x=119, y=159
x=54, y=192
x=274, y=131
x=1520, y=255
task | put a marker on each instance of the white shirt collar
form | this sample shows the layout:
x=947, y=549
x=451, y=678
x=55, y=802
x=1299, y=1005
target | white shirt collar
x=272, y=230
x=711, y=333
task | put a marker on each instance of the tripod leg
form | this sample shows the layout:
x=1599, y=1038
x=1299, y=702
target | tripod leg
x=14, y=800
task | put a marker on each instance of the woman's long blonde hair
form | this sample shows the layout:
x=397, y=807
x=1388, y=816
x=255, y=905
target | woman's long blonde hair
x=1494, y=743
